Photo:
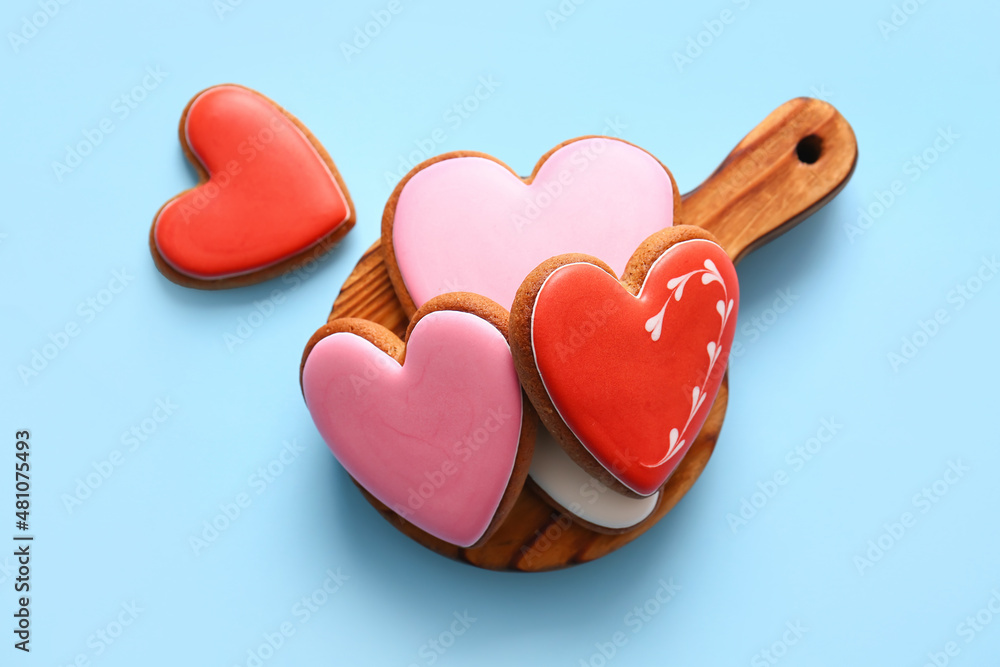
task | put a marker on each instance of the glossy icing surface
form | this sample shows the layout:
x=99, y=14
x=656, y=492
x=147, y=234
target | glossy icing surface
x=434, y=439
x=635, y=376
x=577, y=492
x=469, y=224
x=269, y=195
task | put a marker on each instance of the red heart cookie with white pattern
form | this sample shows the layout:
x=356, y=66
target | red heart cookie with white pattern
x=270, y=197
x=623, y=373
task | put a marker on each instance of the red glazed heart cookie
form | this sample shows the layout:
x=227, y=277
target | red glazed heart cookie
x=270, y=197
x=623, y=373
x=437, y=429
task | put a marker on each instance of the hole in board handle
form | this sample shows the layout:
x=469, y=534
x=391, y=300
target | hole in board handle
x=809, y=149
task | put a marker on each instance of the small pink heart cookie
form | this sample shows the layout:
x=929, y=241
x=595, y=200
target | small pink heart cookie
x=436, y=428
x=466, y=222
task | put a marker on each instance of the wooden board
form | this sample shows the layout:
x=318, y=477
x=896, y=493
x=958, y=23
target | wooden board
x=787, y=168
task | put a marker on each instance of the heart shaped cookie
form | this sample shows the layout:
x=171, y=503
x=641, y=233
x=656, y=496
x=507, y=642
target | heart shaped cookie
x=436, y=428
x=623, y=373
x=270, y=197
x=567, y=487
x=466, y=222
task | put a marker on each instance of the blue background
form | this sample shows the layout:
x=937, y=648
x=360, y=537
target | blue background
x=826, y=357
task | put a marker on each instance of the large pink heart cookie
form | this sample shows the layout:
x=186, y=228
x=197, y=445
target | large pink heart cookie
x=435, y=428
x=466, y=222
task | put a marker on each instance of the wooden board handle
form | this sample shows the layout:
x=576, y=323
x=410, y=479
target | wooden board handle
x=786, y=169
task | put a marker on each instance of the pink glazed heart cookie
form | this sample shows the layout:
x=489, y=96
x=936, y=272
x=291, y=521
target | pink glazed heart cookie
x=466, y=222
x=270, y=196
x=437, y=428
x=623, y=373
